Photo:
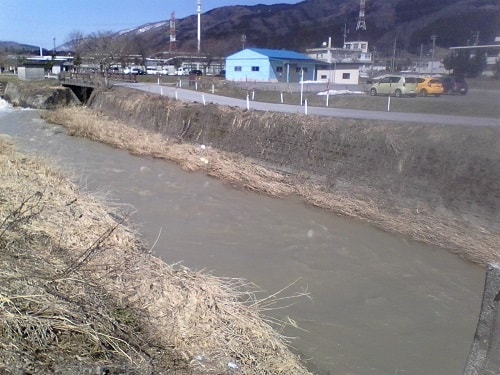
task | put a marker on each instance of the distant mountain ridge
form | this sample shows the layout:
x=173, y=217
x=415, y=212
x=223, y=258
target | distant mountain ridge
x=14, y=47
x=308, y=24
x=311, y=22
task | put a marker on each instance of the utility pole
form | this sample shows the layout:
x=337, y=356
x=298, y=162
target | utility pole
x=345, y=32
x=393, y=64
x=243, y=40
x=476, y=38
x=420, y=57
x=433, y=38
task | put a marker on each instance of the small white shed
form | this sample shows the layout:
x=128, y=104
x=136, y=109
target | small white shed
x=339, y=76
x=31, y=71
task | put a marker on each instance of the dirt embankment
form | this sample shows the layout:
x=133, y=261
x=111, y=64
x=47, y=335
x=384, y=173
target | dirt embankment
x=437, y=184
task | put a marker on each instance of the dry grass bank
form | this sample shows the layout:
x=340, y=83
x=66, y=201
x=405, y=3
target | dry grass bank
x=442, y=228
x=79, y=294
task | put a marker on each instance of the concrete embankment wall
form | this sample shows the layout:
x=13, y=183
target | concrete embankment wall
x=484, y=356
x=38, y=95
x=453, y=167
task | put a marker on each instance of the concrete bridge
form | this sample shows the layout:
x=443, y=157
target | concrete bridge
x=83, y=84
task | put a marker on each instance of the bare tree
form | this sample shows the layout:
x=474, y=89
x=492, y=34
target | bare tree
x=101, y=49
x=137, y=45
x=75, y=42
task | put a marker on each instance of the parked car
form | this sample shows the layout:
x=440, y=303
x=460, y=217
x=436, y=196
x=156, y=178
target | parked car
x=152, y=70
x=137, y=71
x=196, y=72
x=395, y=85
x=455, y=85
x=429, y=86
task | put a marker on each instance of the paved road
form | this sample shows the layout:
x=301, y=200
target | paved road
x=194, y=96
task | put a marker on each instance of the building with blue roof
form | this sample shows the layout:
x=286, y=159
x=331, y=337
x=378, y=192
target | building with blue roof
x=269, y=65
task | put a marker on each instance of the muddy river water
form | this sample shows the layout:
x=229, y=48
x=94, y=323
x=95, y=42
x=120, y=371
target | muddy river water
x=377, y=303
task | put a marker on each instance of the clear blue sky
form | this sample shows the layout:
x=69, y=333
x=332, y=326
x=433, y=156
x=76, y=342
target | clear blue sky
x=38, y=22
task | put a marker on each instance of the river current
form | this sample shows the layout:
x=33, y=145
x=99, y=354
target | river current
x=377, y=303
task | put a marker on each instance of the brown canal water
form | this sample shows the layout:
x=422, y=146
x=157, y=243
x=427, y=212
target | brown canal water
x=378, y=304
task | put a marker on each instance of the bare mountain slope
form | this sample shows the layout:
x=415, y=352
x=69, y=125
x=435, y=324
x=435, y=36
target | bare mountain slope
x=311, y=22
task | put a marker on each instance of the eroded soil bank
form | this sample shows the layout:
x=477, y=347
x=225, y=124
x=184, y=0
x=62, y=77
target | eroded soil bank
x=432, y=183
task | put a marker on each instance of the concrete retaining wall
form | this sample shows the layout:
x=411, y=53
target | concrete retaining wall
x=484, y=357
x=39, y=96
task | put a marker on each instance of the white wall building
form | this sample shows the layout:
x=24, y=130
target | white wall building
x=344, y=64
x=351, y=52
x=341, y=76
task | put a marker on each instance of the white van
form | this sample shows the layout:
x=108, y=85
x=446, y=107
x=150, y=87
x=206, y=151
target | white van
x=152, y=70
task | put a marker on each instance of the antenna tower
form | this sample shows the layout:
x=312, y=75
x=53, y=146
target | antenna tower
x=361, y=25
x=172, y=32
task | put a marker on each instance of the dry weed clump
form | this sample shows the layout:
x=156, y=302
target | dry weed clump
x=437, y=228
x=78, y=294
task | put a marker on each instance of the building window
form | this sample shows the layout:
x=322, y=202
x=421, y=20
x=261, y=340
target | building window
x=255, y=68
x=346, y=75
x=324, y=76
x=279, y=69
x=237, y=68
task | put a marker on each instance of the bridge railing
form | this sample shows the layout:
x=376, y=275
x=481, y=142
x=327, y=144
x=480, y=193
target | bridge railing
x=94, y=79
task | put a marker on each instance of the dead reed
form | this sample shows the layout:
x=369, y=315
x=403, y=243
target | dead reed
x=79, y=294
x=439, y=228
